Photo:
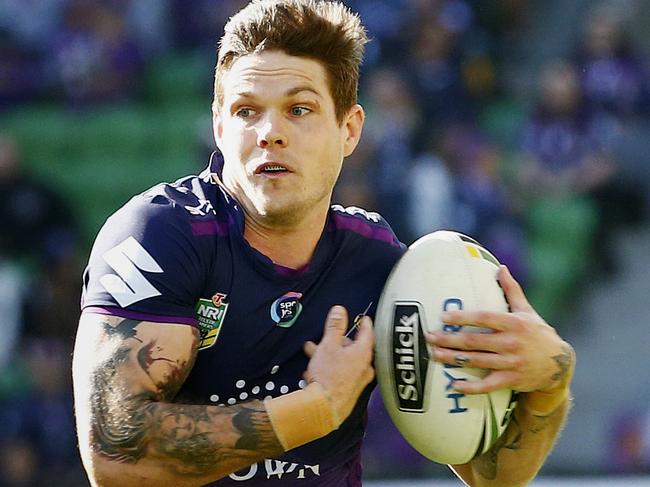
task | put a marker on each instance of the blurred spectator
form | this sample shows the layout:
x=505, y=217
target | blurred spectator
x=94, y=58
x=563, y=153
x=566, y=154
x=36, y=222
x=615, y=79
x=38, y=239
x=37, y=427
x=19, y=74
x=613, y=74
x=391, y=128
x=434, y=61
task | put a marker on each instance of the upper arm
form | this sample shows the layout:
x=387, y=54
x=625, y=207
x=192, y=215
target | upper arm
x=119, y=367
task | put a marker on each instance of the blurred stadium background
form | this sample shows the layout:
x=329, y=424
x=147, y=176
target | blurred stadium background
x=523, y=123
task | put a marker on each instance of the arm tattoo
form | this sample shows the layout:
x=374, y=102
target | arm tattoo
x=486, y=464
x=133, y=414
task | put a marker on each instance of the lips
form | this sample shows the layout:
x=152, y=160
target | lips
x=272, y=168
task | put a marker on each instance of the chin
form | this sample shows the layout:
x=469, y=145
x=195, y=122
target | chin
x=281, y=216
x=278, y=213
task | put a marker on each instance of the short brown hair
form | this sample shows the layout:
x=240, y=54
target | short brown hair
x=326, y=31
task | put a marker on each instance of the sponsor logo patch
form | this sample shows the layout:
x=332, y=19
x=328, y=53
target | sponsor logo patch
x=210, y=314
x=129, y=285
x=286, y=309
x=410, y=357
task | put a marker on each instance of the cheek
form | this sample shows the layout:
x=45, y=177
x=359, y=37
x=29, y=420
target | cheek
x=237, y=143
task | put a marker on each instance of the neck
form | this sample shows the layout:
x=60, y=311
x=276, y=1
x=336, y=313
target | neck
x=292, y=245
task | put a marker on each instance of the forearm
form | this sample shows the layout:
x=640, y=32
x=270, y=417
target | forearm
x=520, y=452
x=174, y=444
x=126, y=376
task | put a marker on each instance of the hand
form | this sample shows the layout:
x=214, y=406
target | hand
x=523, y=353
x=343, y=367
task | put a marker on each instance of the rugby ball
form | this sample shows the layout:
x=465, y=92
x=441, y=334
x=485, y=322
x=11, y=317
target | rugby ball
x=441, y=271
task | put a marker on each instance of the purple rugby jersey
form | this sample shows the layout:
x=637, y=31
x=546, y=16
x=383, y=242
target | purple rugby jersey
x=176, y=253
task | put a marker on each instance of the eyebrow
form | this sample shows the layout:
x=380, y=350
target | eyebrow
x=288, y=93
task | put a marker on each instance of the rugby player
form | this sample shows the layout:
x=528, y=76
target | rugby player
x=217, y=343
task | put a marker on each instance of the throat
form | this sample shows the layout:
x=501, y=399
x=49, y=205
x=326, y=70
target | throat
x=290, y=249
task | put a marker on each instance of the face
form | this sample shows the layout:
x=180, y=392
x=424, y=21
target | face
x=277, y=130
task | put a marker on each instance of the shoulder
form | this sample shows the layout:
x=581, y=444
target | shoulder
x=157, y=251
x=183, y=207
x=364, y=226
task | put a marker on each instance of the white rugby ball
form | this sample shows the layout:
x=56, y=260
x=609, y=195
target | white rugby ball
x=441, y=271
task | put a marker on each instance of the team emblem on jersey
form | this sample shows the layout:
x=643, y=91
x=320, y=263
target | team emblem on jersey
x=129, y=285
x=210, y=314
x=286, y=309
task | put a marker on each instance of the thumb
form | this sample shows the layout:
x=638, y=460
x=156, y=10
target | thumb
x=335, y=324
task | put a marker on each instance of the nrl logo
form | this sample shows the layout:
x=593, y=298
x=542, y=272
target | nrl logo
x=210, y=314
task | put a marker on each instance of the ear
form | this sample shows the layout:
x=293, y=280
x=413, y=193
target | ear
x=217, y=128
x=353, y=125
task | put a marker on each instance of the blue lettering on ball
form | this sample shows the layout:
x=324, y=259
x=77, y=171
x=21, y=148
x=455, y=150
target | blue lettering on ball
x=449, y=305
x=456, y=397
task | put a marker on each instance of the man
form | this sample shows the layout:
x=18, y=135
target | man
x=201, y=354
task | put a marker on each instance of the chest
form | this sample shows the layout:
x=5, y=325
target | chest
x=255, y=325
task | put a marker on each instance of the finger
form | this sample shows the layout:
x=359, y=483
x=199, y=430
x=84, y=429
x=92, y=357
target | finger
x=497, y=320
x=485, y=342
x=479, y=360
x=494, y=381
x=365, y=339
x=310, y=348
x=513, y=292
x=335, y=325
x=366, y=334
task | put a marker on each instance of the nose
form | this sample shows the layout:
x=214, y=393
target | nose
x=272, y=133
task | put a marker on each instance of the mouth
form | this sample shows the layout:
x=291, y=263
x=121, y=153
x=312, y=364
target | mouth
x=272, y=168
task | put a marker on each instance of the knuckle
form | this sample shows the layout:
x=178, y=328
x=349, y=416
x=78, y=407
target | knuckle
x=516, y=362
x=511, y=344
x=518, y=323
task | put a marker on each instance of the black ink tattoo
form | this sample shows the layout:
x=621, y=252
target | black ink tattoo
x=124, y=329
x=256, y=429
x=542, y=423
x=133, y=418
x=487, y=464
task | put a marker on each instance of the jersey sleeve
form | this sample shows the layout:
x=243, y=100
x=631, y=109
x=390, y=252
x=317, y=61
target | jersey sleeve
x=145, y=264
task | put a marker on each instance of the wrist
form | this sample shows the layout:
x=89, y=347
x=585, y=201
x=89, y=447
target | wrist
x=302, y=416
x=544, y=402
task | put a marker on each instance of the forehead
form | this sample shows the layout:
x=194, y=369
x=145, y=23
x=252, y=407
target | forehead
x=270, y=71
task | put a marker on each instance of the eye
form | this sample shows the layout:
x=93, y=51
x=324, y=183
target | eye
x=299, y=111
x=245, y=112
